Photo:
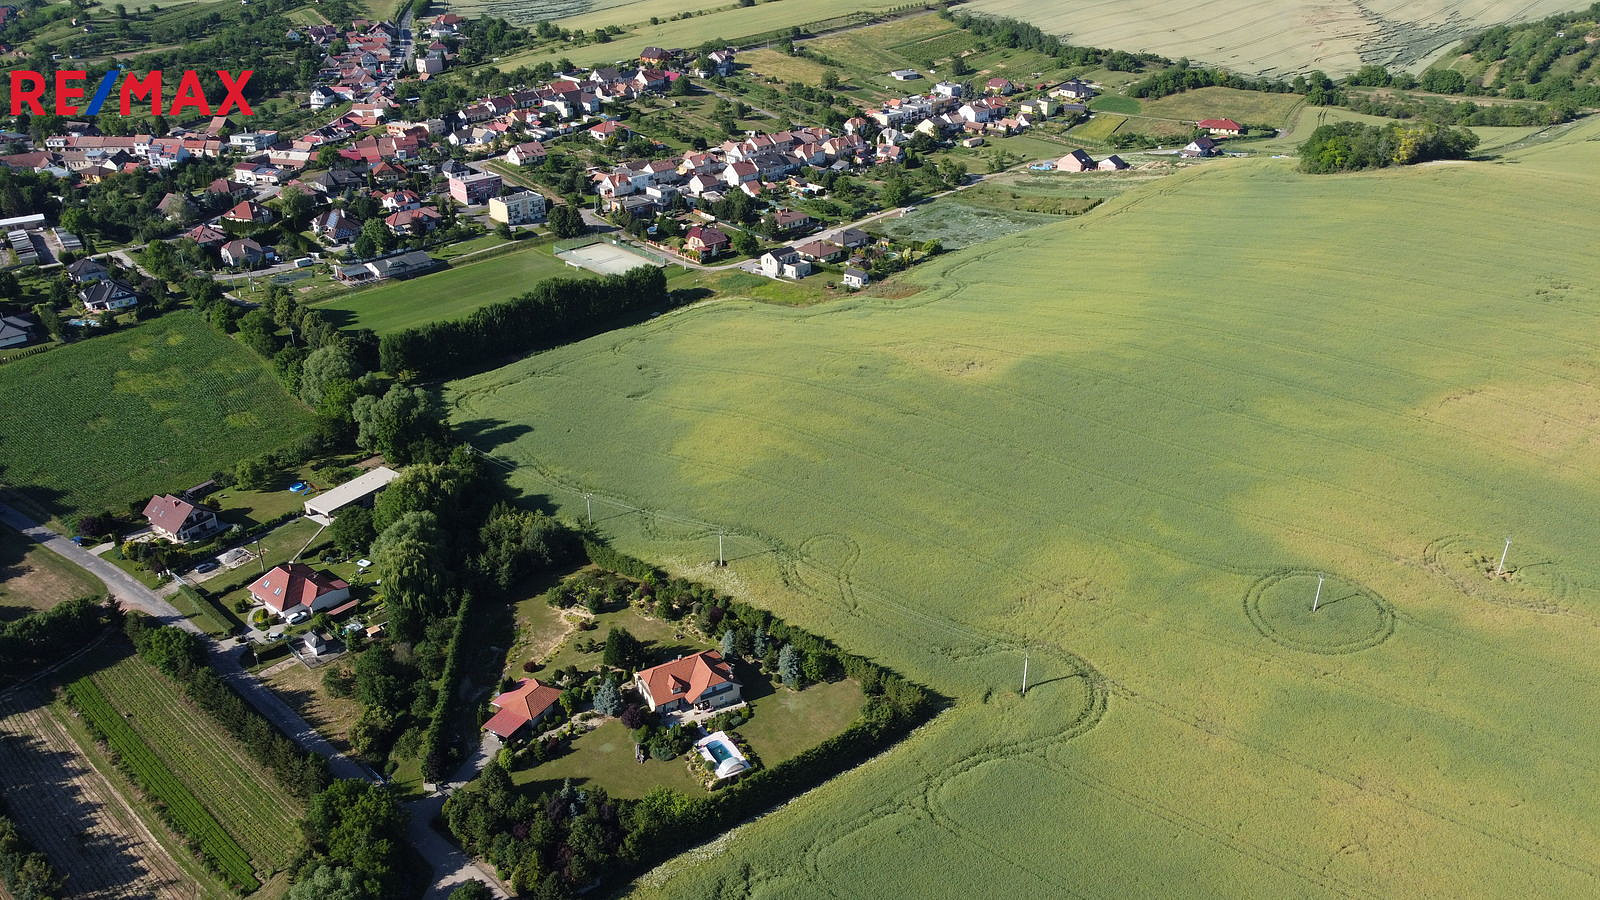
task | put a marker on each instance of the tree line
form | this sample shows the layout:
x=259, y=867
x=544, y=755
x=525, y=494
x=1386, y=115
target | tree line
x=555, y=311
x=42, y=638
x=1351, y=146
x=1020, y=35
x=25, y=873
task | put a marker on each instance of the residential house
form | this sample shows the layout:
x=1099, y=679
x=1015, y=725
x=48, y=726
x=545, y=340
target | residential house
x=1112, y=163
x=206, y=236
x=180, y=521
x=1074, y=90
x=702, y=680
x=853, y=238
x=87, y=271
x=527, y=154
x=655, y=57
x=175, y=206
x=335, y=226
x=855, y=279
x=784, y=262
x=705, y=242
x=409, y=222
x=108, y=295
x=1076, y=161
x=948, y=89
x=821, y=251
x=296, y=591
x=242, y=253
x=248, y=212
x=521, y=208
x=1001, y=86
x=610, y=127
x=520, y=710
x=1222, y=127
x=15, y=331
x=1200, y=147
x=788, y=221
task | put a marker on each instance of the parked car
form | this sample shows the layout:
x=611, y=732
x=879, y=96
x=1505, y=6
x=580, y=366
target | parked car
x=209, y=565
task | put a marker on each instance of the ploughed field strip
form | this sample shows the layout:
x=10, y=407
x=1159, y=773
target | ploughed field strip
x=1129, y=449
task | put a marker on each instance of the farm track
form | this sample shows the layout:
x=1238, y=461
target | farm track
x=73, y=813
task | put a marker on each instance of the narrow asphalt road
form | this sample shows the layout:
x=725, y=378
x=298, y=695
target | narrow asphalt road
x=451, y=867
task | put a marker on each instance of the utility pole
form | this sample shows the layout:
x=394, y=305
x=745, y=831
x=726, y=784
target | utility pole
x=1024, y=674
x=1500, y=567
x=1318, y=598
x=261, y=558
x=588, y=507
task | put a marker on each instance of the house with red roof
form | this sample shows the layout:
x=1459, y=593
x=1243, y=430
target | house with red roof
x=704, y=242
x=248, y=211
x=520, y=709
x=703, y=680
x=409, y=222
x=178, y=520
x=1224, y=127
x=296, y=590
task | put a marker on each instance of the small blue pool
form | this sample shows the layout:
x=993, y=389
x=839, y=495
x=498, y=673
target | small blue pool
x=299, y=487
x=719, y=751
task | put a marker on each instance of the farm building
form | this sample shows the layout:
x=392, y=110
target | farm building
x=905, y=74
x=1223, y=127
x=1076, y=161
x=295, y=591
x=358, y=491
x=701, y=680
x=520, y=708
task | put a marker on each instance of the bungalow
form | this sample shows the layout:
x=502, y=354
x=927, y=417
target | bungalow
x=1199, y=147
x=853, y=238
x=784, y=262
x=242, y=253
x=108, y=295
x=608, y=128
x=1073, y=90
x=1076, y=161
x=178, y=520
x=703, y=680
x=526, y=154
x=206, y=236
x=335, y=226
x=248, y=211
x=789, y=220
x=296, y=591
x=1223, y=127
x=521, y=708
x=855, y=279
x=1001, y=86
x=820, y=251
x=705, y=242
x=1112, y=163
x=408, y=222
x=15, y=331
x=87, y=271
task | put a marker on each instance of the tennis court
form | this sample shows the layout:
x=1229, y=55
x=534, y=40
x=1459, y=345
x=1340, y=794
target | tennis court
x=607, y=259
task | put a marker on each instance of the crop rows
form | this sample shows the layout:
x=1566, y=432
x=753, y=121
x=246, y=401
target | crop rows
x=181, y=806
x=231, y=786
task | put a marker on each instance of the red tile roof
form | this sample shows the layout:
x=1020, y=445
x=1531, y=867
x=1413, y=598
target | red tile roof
x=295, y=584
x=687, y=677
x=528, y=701
x=168, y=513
x=1221, y=124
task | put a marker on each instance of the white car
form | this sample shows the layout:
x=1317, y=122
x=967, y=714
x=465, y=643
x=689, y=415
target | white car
x=298, y=616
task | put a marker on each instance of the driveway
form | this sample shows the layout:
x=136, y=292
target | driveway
x=451, y=867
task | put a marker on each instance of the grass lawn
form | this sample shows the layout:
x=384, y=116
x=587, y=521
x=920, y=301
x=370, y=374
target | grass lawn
x=155, y=407
x=449, y=294
x=302, y=689
x=787, y=722
x=1115, y=103
x=1098, y=128
x=604, y=758
x=1071, y=445
x=540, y=629
x=33, y=578
x=661, y=639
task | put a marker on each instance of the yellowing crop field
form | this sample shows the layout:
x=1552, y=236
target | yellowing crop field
x=1131, y=446
x=1284, y=37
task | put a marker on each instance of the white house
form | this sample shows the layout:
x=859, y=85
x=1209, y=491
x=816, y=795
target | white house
x=296, y=591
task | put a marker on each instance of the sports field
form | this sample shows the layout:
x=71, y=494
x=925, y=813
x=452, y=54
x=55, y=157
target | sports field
x=1336, y=36
x=156, y=407
x=605, y=259
x=1128, y=445
x=451, y=293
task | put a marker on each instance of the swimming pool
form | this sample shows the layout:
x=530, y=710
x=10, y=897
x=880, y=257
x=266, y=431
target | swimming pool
x=719, y=751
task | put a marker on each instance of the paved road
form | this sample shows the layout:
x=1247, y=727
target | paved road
x=450, y=865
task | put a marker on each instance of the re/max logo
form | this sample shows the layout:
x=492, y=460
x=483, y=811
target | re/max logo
x=28, y=89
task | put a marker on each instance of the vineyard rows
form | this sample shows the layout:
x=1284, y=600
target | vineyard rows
x=181, y=806
x=234, y=788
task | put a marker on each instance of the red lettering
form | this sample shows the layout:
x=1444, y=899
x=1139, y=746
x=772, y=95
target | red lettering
x=190, y=94
x=235, y=91
x=148, y=87
x=64, y=92
x=26, y=89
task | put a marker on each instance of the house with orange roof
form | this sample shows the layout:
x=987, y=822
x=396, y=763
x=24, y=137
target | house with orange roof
x=295, y=591
x=702, y=680
x=522, y=708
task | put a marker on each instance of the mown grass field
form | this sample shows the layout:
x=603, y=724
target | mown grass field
x=188, y=753
x=1249, y=107
x=1336, y=36
x=33, y=578
x=1126, y=445
x=450, y=293
x=156, y=407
